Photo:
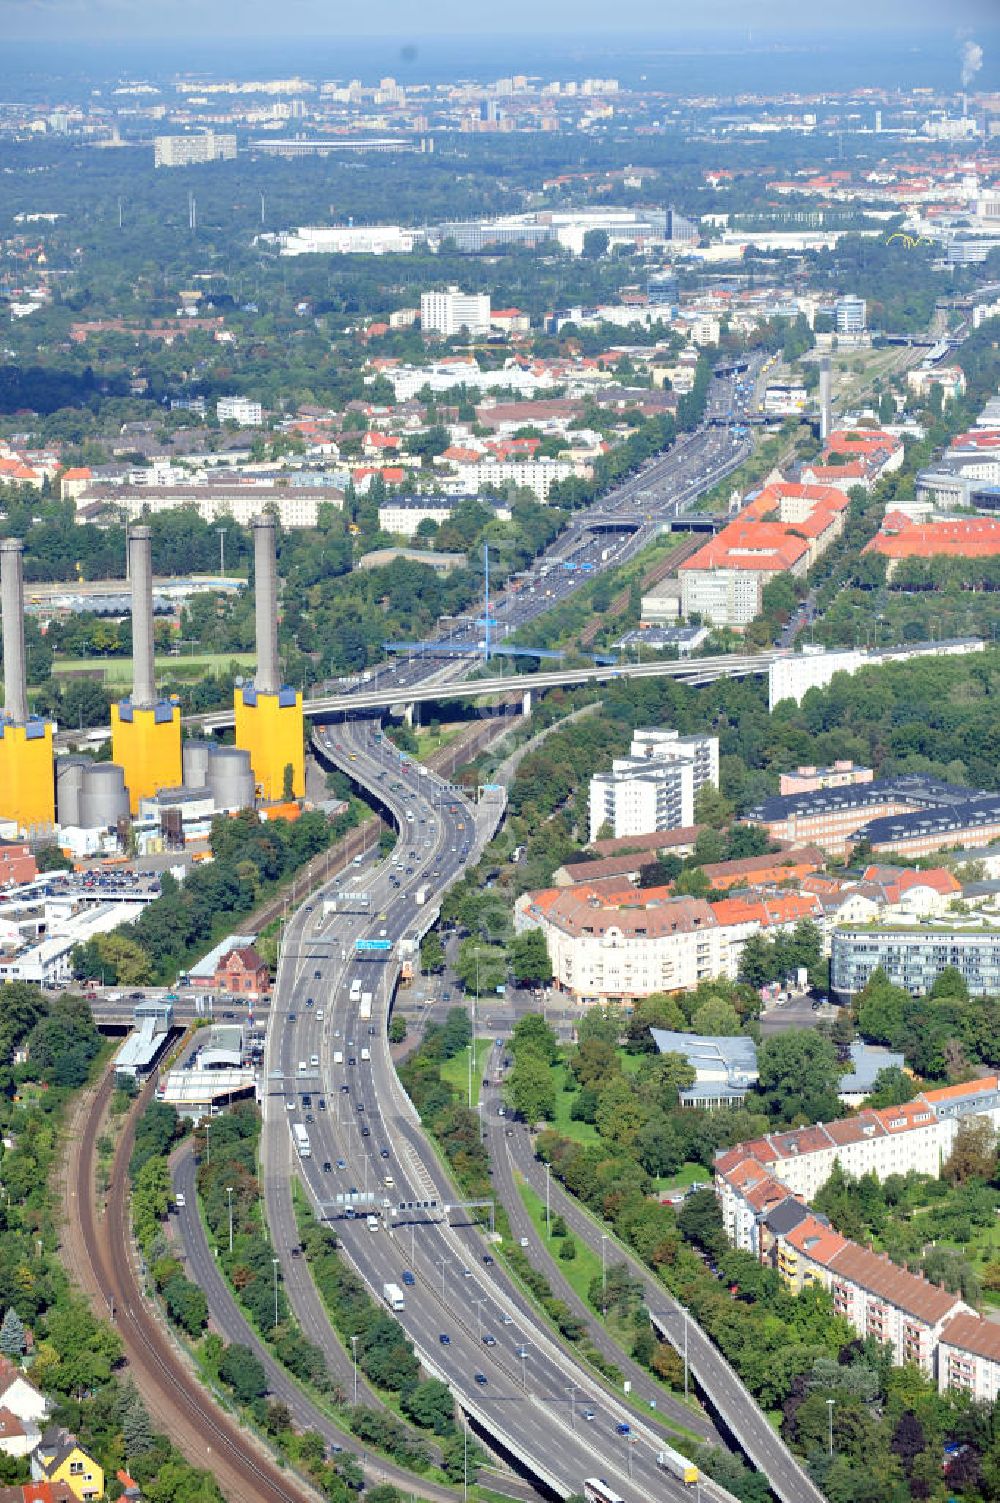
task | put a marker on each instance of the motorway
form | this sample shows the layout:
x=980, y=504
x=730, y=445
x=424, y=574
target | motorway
x=365, y=1139
x=726, y=1394
x=520, y=1387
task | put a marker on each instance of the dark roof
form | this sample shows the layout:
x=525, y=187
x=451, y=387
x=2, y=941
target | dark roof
x=782, y=1218
x=911, y=788
x=977, y=811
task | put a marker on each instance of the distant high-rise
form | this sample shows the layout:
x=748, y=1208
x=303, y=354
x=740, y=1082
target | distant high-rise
x=190, y=151
x=450, y=312
x=851, y=314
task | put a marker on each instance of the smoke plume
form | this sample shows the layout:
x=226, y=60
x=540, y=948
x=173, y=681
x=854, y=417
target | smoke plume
x=972, y=61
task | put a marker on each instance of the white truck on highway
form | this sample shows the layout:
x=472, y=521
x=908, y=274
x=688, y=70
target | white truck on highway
x=393, y=1296
x=355, y=991
x=420, y=896
x=301, y=1140
x=678, y=1466
x=365, y=1008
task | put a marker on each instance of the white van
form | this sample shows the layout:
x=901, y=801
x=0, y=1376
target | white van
x=372, y=1223
x=302, y=1067
x=320, y=1014
x=366, y=1055
x=338, y=1056
x=314, y=1060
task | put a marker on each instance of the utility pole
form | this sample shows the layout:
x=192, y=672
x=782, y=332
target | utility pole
x=229, y=1192
x=548, y=1203
x=829, y=1437
x=685, y=1354
x=274, y=1265
x=354, y=1354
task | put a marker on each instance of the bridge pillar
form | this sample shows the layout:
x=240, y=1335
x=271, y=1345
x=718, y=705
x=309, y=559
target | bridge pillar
x=411, y=714
x=526, y=702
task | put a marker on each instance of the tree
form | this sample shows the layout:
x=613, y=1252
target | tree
x=799, y=1074
x=533, y=1035
x=711, y=807
x=974, y=1153
x=530, y=1089
x=12, y=1337
x=244, y=1373
x=717, y=1017
x=432, y=956
x=397, y=1028
x=595, y=244
x=700, y=1221
x=288, y=782
x=892, y=1087
x=529, y=959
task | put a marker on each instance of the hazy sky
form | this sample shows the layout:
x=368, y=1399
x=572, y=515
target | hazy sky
x=124, y=20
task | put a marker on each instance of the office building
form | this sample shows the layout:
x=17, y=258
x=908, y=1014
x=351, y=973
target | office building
x=191, y=151
x=655, y=787
x=725, y=1068
x=850, y=315
x=451, y=312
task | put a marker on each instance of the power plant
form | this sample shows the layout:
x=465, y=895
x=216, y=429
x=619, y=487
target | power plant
x=151, y=773
x=269, y=721
x=145, y=730
x=27, y=785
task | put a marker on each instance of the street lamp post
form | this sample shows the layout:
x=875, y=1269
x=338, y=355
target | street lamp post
x=829, y=1432
x=523, y=1354
x=274, y=1266
x=604, y=1272
x=222, y=549
x=548, y=1203
x=354, y=1354
x=572, y=1406
x=229, y=1193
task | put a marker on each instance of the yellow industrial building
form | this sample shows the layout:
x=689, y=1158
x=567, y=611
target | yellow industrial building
x=146, y=744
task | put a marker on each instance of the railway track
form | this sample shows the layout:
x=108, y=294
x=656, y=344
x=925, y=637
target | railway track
x=177, y=1400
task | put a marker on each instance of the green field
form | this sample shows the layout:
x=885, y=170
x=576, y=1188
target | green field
x=431, y=740
x=456, y=1070
x=118, y=671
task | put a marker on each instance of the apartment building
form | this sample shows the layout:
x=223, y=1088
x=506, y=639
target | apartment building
x=968, y=1358
x=914, y=955
x=836, y=818
x=610, y=941
x=850, y=314
x=814, y=667
x=809, y=779
x=783, y=530
x=190, y=151
x=296, y=506
x=655, y=786
x=950, y=378
x=239, y=410
x=900, y=538
x=448, y=313
x=901, y=1310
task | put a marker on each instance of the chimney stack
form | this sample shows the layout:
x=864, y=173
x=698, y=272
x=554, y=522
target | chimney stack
x=12, y=601
x=140, y=570
x=267, y=679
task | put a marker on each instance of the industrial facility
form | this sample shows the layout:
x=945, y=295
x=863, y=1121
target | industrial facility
x=164, y=787
x=268, y=713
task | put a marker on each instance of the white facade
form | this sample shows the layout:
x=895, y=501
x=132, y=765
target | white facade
x=851, y=314
x=404, y=519
x=297, y=507
x=346, y=240
x=188, y=151
x=448, y=313
x=969, y=1358
x=537, y=475
x=239, y=410
x=726, y=597
x=655, y=787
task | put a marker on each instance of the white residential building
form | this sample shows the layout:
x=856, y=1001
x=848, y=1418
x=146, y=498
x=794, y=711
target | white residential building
x=448, y=313
x=654, y=788
x=240, y=410
x=537, y=475
x=404, y=515
x=969, y=1358
x=189, y=151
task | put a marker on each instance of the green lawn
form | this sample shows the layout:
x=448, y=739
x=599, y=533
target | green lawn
x=688, y=1174
x=430, y=740
x=119, y=670
x=577, y=1132
x=456, y=1070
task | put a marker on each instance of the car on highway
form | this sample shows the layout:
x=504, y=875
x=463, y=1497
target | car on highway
x=487, y=1258
x=366, y=1131
x=482, y=1379
x=444, y=1339
x=622, y=1428
x=383, y=1153
x=588, y=1414
x=408, y=1278
x=341, y=1164
x=327, y=1167
x=489, y=1340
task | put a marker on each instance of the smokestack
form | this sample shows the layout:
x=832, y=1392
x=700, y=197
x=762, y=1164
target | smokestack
x=268, y=676
x=825, y=407
x=140, y=568
x=12, y=602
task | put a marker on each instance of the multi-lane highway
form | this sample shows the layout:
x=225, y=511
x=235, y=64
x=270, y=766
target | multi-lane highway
x=364, y=1139
x=335, y=1111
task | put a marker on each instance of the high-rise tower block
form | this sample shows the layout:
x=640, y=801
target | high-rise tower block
x=269, y=722
x=27, y=776
x=145, y=729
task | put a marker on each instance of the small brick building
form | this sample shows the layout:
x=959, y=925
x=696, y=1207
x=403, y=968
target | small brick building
x=242, y=973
